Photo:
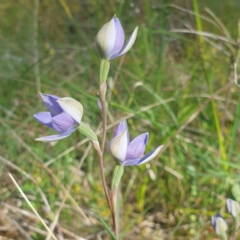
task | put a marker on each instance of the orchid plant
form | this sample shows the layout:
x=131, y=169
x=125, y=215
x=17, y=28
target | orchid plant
x=64, y=117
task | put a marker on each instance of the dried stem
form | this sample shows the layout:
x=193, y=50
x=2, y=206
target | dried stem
x=31, y=206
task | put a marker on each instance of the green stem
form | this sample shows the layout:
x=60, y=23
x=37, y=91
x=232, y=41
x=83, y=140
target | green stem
x=223, y=236
x=234, y=130
x=203, y=57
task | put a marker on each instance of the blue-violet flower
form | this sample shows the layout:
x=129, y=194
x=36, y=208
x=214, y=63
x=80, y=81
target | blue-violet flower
x=64, y=116
x=130, y=153
x=110, y=40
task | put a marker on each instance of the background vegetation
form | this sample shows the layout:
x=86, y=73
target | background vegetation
x=177, y=83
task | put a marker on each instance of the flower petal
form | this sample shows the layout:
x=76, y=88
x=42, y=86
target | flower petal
x=128, y=45
x=122, y=127
x=51, y=104
x=146, y=158
x=106, y=39
x=119, y=37
x=54, y=138
x=137, y=146
x=118, y=146
x=72, y=107
x=62, y=122
x=44, y=118
x=149, y=156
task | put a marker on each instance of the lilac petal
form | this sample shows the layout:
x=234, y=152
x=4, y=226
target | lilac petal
x=128, y=45
x=137, y=146
x=118, y=146
x=62, y=122
x=119, y=37
x=44, y=118
x=54, y=138
x=106, y=38
x=122, y=127
x=146, y=158
x=149, y=156
x=45, y=97
x=51, y=104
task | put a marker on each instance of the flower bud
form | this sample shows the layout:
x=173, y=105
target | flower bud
x=219, y=224
x=233, y=207
x=110, y=39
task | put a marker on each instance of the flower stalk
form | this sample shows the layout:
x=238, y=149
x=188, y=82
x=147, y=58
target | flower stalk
x=110, y=44
x=103, y=73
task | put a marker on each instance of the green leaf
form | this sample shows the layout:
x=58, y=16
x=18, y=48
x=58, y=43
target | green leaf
x=117, y=175
x=87, y=131
x=105, y=225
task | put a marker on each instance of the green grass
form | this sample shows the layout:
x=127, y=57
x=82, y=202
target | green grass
x=160, y=87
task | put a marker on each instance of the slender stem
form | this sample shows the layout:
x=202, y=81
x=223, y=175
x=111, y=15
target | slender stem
x=101, y=151
x=104, y=69
x=105, y=187
x=203, y=59
x=35, y=46
x=104, y=127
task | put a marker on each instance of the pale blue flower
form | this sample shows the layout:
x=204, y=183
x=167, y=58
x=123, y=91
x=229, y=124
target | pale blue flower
x=64, y=116
x=130, y=153
x=110, y=40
